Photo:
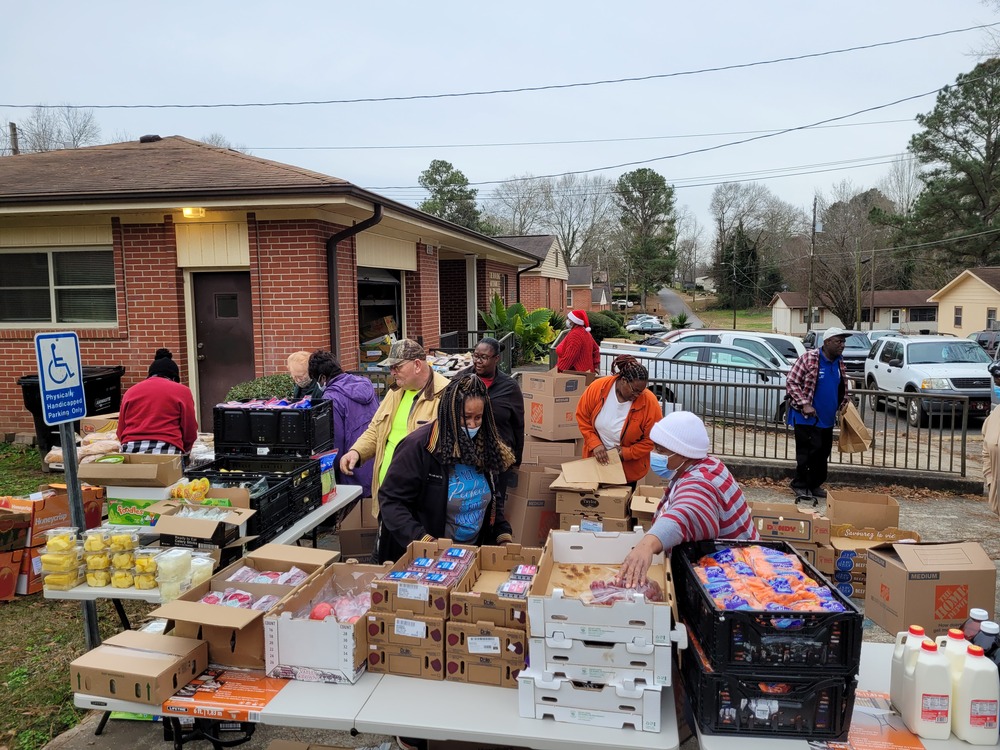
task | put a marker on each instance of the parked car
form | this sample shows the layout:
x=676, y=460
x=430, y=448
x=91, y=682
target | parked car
x=790, y=347
x=877, y=334
x=647, y=326
x=709, y=379
x=624, y=304
x=749, y=341
x=856, y=350
x=929, y=365
x=987, y=339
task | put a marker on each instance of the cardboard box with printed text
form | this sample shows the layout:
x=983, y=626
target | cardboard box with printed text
x=135, y=470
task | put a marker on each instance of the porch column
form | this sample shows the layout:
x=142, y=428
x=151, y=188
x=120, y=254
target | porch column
x=471, y=296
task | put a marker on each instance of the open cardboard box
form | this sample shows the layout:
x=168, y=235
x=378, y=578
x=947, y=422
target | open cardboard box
x=236, y=636
x=176, y=531
x=319, y=650
x=861, y=509
x=139, y=667
x=594, y=522
x=588, y=474
x=136, y=469
x=645, y=500
x=420, y=598
x=49, y=509
x=787, y=522
x=933, y=584
x=481, y=603
x=549, y=452
x=14, y=529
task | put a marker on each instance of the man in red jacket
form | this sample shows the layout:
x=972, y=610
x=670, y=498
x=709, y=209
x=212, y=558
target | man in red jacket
x=157, y=415
x=578, y=351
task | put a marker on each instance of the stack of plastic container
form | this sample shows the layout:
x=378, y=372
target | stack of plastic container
x=174, y=573
x=62, y=559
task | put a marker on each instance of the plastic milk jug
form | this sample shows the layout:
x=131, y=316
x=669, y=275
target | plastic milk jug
x=927, y=685
x=976, y=699
x=975, y=620
x=954, y=647
x=906, y=650
x=988, y=637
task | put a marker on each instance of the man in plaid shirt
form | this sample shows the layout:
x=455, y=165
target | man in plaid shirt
x=817, y=391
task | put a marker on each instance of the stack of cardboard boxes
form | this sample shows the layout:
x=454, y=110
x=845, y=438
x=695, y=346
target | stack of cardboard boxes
x=14, y=527
x=592, y=496
x=645, y=500
x=600, y=664
x=357, y=531
x=550, y=401
x=859, y=521
x=808, y=531
x=48, y=509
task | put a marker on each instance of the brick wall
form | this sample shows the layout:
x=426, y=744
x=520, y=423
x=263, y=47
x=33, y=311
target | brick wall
x=423, y=311
x=557, y=294
x=453, y=299
x=483, y=269
x=581, y=300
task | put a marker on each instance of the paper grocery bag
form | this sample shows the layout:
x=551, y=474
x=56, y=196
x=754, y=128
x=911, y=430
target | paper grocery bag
x=855, y=437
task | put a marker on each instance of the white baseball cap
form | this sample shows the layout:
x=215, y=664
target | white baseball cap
x=829, y=333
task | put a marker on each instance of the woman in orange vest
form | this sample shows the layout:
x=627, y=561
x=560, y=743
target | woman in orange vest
x=617, y=413
x=578, y=351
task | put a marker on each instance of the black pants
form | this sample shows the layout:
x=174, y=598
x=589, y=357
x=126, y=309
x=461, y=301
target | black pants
x=812, y=454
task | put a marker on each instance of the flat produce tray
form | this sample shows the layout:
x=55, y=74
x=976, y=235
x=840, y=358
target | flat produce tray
x=766, y=642
x=795, y=706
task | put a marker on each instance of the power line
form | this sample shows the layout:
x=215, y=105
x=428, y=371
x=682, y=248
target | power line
x=518, y=90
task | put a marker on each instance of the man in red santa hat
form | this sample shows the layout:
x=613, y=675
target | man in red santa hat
x=578, y=351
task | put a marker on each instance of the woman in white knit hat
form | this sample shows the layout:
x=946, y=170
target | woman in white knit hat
x=702, y=501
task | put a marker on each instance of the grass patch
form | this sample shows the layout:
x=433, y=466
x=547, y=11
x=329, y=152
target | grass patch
x=746, y=320
x=43, y=636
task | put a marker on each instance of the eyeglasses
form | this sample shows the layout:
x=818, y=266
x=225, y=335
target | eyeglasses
x=398, y=366
x=634, y=388
x=482, y=357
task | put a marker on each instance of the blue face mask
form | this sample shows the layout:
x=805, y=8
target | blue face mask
x=658, y=462
x=472, y=432
x=996, y=390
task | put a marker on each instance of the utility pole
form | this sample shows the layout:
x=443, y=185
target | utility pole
x=857, y=286
x=14, y=148
x=812, y=255
x=871, y=314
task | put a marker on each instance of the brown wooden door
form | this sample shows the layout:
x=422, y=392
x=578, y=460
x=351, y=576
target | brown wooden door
x=223, y=337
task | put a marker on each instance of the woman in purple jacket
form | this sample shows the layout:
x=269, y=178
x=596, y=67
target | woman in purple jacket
x=354, y=404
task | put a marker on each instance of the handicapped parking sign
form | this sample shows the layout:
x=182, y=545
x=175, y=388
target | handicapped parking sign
x=60, y=377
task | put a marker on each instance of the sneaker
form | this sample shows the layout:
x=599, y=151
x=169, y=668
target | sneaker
x=818, y=492
x=411, y=743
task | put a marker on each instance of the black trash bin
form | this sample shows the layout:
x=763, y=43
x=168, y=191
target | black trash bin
x=102, y=391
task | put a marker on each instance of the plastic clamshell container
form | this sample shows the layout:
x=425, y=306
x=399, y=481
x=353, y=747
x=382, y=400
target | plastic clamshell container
x=96, y=540
x=122, y=579
x=145, y=559
x=98, y=578
x=63, y=561
x=97, y=560
x=124, y=539
x=61, y=540
x=64, y=581
x=174, y=564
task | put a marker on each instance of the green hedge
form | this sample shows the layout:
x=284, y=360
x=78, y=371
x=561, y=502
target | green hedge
x=604, y=326
x=269, y=386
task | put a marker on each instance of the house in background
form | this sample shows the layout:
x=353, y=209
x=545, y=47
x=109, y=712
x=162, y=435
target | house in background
x=230, y=261
x=907, y=311
x=969, y=302
x=542, y=283
x=583, y=294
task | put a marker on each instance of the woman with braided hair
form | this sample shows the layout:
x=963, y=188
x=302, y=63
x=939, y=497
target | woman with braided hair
x=443, y=477
x=617, y=413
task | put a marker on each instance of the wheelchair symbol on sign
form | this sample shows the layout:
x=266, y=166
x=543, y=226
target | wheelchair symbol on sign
x=58, y=364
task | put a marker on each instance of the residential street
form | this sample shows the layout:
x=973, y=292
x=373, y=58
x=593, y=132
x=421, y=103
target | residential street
x=674, y=304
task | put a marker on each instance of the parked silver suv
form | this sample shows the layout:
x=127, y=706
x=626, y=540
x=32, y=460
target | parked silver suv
x=931, y=365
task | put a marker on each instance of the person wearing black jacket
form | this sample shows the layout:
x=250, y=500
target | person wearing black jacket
x=443, y=477
x=506, y=400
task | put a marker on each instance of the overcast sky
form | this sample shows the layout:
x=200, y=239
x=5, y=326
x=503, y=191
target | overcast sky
x=185, y=52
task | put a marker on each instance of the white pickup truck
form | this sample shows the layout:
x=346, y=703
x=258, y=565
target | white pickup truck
x=706, y=378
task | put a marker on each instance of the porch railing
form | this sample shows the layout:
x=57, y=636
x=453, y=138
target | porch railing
x=459, y=342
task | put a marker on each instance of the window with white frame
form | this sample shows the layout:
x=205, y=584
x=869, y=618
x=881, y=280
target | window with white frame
x=815, y=316
x=64, y=286
x=894, y=320
x=958, y=317
x=569, y=297
x=991, y=318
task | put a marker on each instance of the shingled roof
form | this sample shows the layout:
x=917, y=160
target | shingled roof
x=988, y=274
x=581, y=276
x=537, y=245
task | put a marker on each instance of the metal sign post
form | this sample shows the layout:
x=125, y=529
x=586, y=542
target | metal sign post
x=60, y=378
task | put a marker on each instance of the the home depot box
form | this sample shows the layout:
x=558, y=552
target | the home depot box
x=481, y=603
x=929, y=584
x=236, y=636
x=298, y=648
x=789, y=523
x=861, y=509
x=631, y=704
x=139, y=667
x=135, y=469
x=551, y=417
x=553, y=383
x=420, y=599
x=531, y=520
x=553, y=452
x=49, y=509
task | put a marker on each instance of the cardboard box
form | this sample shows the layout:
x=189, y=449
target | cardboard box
x=787, y=522
x=553, y=383
x=587, y=473
x=929, y=584
x=532, y=481
x=14, y=529
x=106, y=423
x=319, y=650
x=850, y=545
x=861, y=509
x=10, y=567
x=531, y=520
x=593, y=522
x=645, y=500
x=127, y=505
x=617, y=706
x=476, y=639
x=225, y=695
x=236, y=636
x=482, y=670
x=551, y=417
x=409, y=662
x=481, y=603
x=29, y=577
x=849, y=576
x=550, y=452
x=821, y=556
x=403, y=628
x=139, y=667
x=49, y=509
x=853, y=589
x=358, y=544
x=176, y=531
x=612, y=502
x=379, y=327
x=136, y=470
x=420, y=599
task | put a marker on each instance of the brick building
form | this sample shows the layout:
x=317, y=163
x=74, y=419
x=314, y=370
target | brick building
x=230, y=261
x=583, y=293
x=542, y=283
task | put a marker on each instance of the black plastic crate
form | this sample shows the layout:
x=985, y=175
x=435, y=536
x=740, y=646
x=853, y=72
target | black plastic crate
x=796, y=706
x=766, y=641
x=306, y=498
x=273, y=432
x=272, y=505
x=238, y=468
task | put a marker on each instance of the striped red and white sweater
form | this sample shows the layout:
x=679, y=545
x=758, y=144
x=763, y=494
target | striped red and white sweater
x=703, y=502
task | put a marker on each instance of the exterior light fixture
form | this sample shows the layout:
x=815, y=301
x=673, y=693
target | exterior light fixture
x=193, y=213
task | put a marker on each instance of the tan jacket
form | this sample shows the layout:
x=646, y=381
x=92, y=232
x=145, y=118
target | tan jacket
x=371, y=444
x=991, y=459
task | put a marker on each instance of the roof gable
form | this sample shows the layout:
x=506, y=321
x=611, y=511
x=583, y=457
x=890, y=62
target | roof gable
x=537, y=245
x=987, y=275
x=581, y=276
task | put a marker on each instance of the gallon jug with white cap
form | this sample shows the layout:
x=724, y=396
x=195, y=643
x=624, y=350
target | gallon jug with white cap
x=974, y=621
x=927, y=687
x=905, y=652
x=988, y=637
x=954, y=647
x=976, y=700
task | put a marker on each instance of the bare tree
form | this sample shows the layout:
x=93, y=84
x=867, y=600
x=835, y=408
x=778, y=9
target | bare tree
x=48, y=129
x=902, y=184
x=689, y=243
x=580, y=210
x=220, y=141
x=5, y=145
x=518, y=206
x=78, y=127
